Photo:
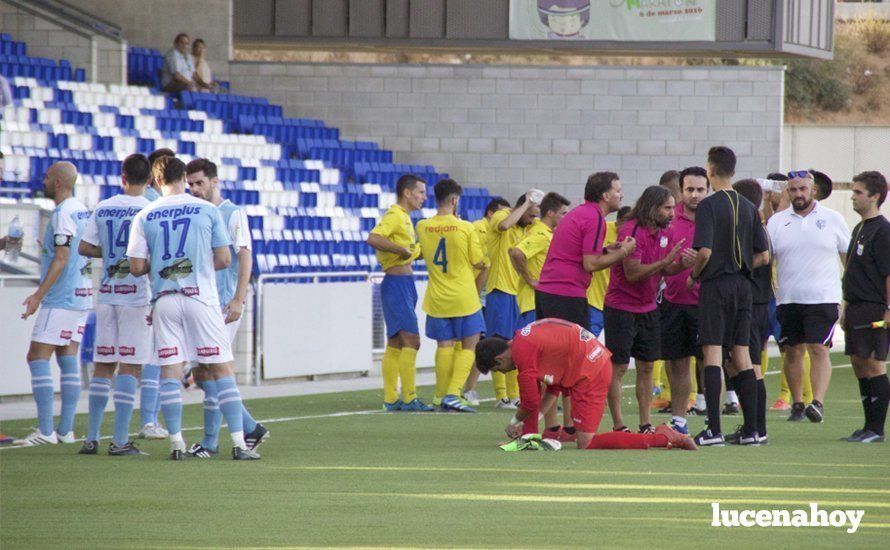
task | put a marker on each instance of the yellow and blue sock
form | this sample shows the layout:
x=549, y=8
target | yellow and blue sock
x=390, y=368
x=42, y=387
x=230, y=406
x=70, y=367
x=212, y=416
x=149, y=382
x=444, y=369
x=170, y=399
x=408, y=373
x=124, y=401
x=100, y=389
x=463, y=362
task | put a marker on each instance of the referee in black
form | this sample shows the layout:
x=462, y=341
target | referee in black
x=731, y=243
x=865, y=312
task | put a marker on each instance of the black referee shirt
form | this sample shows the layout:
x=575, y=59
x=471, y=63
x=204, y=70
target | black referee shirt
x=868, y=262
x=729, y=225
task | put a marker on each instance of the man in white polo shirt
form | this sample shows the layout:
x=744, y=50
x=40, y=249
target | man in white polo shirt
x=807, y=239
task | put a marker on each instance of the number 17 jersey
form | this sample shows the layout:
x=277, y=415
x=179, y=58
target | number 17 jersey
x=450, y=248
x=109, y=229
x=177, y=234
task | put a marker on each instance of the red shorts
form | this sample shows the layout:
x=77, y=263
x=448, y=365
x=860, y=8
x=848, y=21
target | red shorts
x=588, y=401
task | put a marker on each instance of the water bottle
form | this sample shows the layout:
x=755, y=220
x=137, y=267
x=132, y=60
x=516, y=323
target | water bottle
x=14, y=239
x=537, y=196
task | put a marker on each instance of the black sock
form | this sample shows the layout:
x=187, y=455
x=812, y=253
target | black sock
x=864, y=394
x=713, y=376
x=761, y=407
x=880, y=398
x=728, y=380
x=745, y=384
x=554, y=428
x=569, y=430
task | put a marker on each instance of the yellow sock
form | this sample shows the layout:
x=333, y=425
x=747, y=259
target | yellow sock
x=807, y=383
x=390, y=367
x=665, y=381
x=463, y=362
x=512, y=380
x=764, y=362
x=657, y=369
x=499, y=383
x=444, y=366
x=693, y=375
x=408, y=372
x=784, y=389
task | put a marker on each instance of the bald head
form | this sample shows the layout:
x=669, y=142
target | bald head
x=59, y=180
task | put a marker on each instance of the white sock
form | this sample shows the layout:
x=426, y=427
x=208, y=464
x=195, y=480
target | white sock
x=679, y=420
x=238, y=440
x=700, y=402
x=731, y=397
x=177, y=442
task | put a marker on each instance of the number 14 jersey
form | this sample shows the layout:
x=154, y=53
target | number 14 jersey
x=109, y=229
x=177, y=234
x=450, y=248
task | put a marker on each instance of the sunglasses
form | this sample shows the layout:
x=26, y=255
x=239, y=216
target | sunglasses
x=799, y=174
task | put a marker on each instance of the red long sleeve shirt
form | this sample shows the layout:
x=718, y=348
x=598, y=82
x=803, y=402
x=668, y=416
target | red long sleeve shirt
x=557, y=353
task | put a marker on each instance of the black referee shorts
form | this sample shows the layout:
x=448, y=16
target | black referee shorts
x=724, y=311
x=636, y=335
x=760, y=329
x=567, y=308
x=867, y=343
x=679, y=331
x=807, y=323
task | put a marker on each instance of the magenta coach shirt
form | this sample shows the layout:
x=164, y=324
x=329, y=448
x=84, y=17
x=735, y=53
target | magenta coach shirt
x=676, y=291
x=581, y=232
x=637, y=297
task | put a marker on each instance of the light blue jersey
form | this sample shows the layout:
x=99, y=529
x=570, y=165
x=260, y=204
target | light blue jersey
x=235, y=221
x=74, y=287
x=151, y=194
x=109, y=229
x=177, y=234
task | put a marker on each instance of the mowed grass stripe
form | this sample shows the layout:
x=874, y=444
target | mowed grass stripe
x=522, y=471
x=689, y=488
x=603, y=499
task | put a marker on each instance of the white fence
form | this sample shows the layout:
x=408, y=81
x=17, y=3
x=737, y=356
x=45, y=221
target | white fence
x=839, y=151
x=329, y=326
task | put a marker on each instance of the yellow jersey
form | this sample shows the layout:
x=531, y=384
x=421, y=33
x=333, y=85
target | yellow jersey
x=501, y=275
x=450, y=248
x=481, y=227
x=396, y=226
x=534, y=247
x=599, y=282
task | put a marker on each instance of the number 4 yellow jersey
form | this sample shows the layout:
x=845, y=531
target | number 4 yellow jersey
x=451, y=248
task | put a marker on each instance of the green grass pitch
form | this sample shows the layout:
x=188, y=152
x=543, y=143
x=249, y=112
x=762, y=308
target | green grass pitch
x=335, y=474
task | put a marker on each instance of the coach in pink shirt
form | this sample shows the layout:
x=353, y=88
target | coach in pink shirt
x=679, y=306
x=632, y=323
x=577, y=250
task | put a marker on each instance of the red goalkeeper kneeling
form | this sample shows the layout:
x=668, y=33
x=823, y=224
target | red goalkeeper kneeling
x=564, y=357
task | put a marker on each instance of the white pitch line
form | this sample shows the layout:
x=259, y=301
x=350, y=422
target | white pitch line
x=318, y=416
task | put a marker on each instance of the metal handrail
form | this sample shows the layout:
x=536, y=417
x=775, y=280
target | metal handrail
x=73, y=16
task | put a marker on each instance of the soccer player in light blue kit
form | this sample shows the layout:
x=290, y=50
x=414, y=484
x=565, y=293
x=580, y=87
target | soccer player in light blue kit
x=63, y=297
x=232, y=284
x=181, y=240
x=151, y=373
x=123, y=334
